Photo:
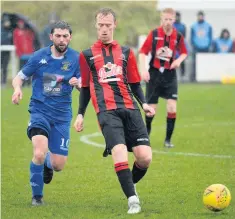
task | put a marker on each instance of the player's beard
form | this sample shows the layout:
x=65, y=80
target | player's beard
x=59, y=49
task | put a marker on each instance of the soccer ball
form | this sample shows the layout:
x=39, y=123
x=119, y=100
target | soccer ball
x=216, y=197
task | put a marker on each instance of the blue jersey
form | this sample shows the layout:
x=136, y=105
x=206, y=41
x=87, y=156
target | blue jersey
x=51, y=94
x=201, y=35
x=223, y=45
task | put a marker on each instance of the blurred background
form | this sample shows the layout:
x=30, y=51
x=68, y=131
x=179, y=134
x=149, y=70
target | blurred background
x=25, y=27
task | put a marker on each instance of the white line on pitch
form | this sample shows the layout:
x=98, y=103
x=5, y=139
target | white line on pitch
x=87, y=140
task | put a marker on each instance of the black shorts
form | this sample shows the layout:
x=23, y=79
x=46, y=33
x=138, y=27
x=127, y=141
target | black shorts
x=161, y=85
x=123, y=126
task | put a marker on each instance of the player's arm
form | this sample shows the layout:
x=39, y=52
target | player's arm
x=84, y=96
x=24, y=74
x=183, y=53
x=144, y=51
x=76, y=79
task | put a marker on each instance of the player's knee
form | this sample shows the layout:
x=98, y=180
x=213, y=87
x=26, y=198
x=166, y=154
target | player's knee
x=145, y=160
x=57, y=167
x=39, y=156
x=171, y=108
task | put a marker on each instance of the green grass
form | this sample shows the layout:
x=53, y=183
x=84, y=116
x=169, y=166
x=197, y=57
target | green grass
x=88, y=187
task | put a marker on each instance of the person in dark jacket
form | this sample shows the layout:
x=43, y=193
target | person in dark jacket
x=6, y=39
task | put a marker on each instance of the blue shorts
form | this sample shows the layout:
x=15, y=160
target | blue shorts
x=58, y=133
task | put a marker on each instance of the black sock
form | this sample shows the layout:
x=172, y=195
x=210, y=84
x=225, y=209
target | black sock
x=125, y=178
x=138, y=173
x=148, y=121
x=171, y=117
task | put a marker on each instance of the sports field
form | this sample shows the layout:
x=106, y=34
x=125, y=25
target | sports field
x=88, y=188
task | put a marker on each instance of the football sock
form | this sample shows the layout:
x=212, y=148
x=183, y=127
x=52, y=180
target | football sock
x=138, y=172
x=48, y=160
x=125, y=178
x=171, y=117
x=36, y=179
x=148, y=121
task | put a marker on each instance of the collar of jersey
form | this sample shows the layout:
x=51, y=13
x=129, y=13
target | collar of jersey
x=99, y=43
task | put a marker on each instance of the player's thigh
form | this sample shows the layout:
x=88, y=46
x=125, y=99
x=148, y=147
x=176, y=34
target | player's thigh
x=170, y=90
x=112, y=129
x=135, y=130
x=59, y=141
x=38, y=131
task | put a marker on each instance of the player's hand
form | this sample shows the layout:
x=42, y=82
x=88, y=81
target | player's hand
x=146, y=76
x=149, y=111
x=17, y=96
x=175, y=64
x=78, y=124
x=75, y=82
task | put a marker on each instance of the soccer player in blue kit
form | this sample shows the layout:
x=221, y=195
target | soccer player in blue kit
x=55, y=72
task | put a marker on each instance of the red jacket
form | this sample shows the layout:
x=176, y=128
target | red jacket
x=24, y=41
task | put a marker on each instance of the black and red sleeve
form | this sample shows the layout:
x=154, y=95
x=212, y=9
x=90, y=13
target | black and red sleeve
x=182, y=46
x=85, y=71
x=84, y=96
x=147, y=46
x=133, y=75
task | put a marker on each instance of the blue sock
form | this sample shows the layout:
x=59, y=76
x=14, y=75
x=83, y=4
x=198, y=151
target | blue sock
x=48, y=160
x=36, y=178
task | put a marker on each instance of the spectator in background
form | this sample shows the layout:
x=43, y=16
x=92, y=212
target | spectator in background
x=224, y=43
x=6, y=39
x=201, y=38
x=23, y=39
x=234, y=45
x=45, y=34
x=180, y=27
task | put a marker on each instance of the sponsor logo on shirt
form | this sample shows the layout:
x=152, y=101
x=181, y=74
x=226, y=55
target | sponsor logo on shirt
x=65, y=66
x=108, y=71
x=164, y=53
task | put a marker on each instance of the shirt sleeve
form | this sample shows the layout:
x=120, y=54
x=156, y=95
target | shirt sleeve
x=182, y=47
x=133, y=75
x=147, y=46
x=84, y=70
x=77, y=71
x=30, y=67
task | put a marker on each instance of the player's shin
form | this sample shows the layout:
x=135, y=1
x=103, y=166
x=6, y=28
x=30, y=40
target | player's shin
x=125, y=178
x=48, y=160
x=36, y=179
x=148, y=121
x=171, y=117
x=138, y=172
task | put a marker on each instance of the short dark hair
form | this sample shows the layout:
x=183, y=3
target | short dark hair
x=105, y=12
x=61, y=25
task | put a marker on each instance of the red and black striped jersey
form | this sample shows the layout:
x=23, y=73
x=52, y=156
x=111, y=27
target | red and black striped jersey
x=157, y=41
x=107, y=70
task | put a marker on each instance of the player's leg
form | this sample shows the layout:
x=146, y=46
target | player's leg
x=170, y=120
x=58, y=145
x=152, y=100
x=149, y=120
x=37, y=131
x=39, y=139
x=113, y=131
x=138, y=142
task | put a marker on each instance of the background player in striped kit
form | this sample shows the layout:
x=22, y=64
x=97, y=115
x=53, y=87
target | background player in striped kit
x=162, y=43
